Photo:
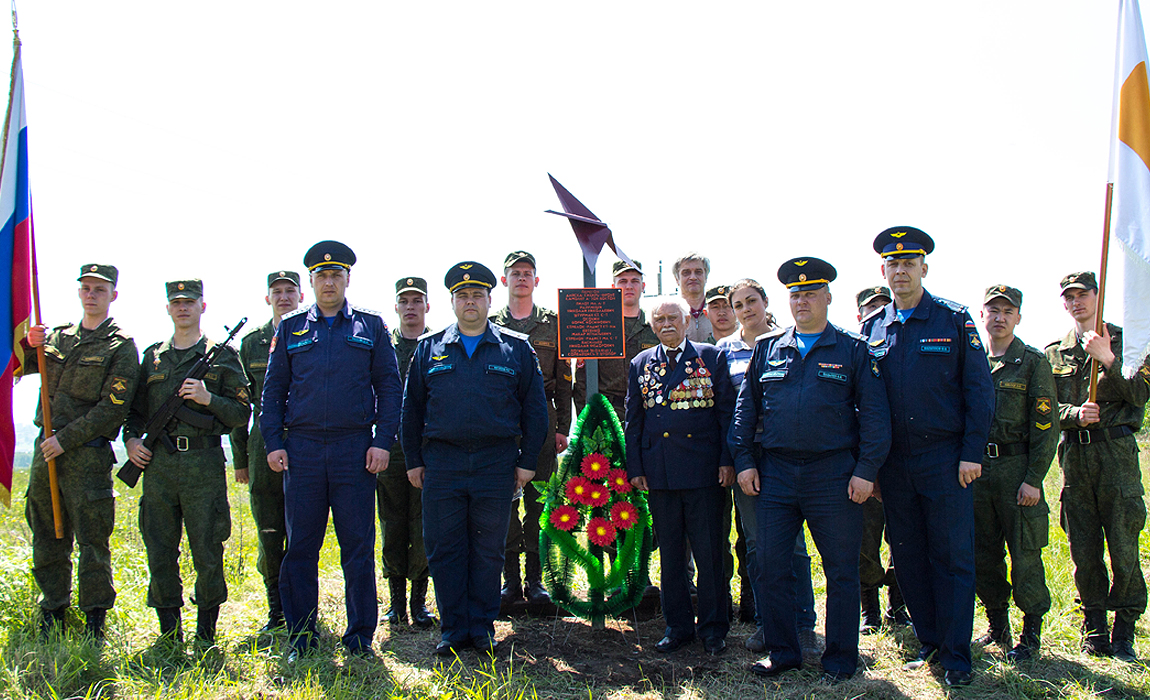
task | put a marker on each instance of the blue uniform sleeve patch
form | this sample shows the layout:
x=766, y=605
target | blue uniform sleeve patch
x=874, y=368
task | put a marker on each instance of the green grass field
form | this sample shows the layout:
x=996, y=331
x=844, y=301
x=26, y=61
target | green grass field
x=564, y=659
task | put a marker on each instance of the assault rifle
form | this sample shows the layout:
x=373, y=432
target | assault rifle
x=175, y=407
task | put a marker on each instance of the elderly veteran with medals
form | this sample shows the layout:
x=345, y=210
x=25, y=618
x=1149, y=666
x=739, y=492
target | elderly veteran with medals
x=679, y=405
x=817, y=391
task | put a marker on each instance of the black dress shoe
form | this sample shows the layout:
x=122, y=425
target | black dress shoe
x=364, y=652
x=485, y=645
x=955, y=678
x=768, y=668
x=669, y=644
x=446, y=648
x=925, y=655
x=715, y=646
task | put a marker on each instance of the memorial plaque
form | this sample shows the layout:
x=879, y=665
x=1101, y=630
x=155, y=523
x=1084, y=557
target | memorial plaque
x=591, y=323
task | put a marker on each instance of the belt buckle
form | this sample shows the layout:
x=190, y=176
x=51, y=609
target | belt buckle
x=181, y=443
x=1083, y=437
x=992, y=450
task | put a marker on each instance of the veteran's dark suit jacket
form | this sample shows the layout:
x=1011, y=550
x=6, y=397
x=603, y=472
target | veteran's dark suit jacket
x=678, y=448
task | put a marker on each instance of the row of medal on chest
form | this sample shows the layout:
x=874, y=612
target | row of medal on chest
x=696, y=391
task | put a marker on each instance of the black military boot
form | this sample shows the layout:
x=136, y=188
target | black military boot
x=746, y=600
x=396, y=614
x=871, y=617
x=52, y=622
x=896, y=614
x=1096, y=633
x=421, y=617
x=206, y=625
x=999, y=631
x=94, y=623
x=170, y=628
x=512, y=585
x=1122, y=641
x=1030, y=640
x=535, y=592
x=275, y=611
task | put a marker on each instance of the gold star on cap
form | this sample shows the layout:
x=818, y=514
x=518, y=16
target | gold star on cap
x=180, y=285
x=1002, y=287
x=899, y=246
x=410, y=281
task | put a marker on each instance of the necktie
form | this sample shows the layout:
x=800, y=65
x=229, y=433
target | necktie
x=673, y=358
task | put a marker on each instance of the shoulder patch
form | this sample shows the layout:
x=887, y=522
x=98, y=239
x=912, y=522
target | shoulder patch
x=297, y=312
x=544, y=311
x=851, y=334
x=514, y=334
x=362, y=310
x=253, y=332
x=952, y=305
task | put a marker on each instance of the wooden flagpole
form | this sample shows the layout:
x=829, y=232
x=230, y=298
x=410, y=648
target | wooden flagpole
x=1099, y=324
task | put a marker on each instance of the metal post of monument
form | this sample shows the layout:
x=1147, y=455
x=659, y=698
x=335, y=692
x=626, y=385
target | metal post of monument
x=591, y=366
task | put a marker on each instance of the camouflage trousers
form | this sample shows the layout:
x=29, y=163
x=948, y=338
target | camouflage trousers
x=88, y=510
x=266, y=496
x=1103, y=510
x=872, y=573
x=1000, y=524
x=400, y=521
x=185, y=491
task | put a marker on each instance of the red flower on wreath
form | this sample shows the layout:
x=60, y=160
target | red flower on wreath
x=577, y=490
x=618, y=481
x=595, y=466
x=601, y=532
x=597, y=494
x=624, y=515
x=565, y=518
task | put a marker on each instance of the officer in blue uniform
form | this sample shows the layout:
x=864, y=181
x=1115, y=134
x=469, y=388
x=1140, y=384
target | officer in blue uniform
x=332, y=378
x=474, y=422
x=825, y=432
x=942, y=406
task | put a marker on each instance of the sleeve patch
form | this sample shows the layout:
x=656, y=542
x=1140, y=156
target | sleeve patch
x=874, y=368
x=1044, y=405
x=242, y=395
x=1042, y=426
x=974, y=341
x=119, y=385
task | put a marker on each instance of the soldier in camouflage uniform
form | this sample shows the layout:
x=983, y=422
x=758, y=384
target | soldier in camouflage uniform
x=638, y=337
x=186, y=488
x=1102, y=484
x=400, y=507
x=91, y=375
x=1009, y=507
x=249, y=456
x=542, y=326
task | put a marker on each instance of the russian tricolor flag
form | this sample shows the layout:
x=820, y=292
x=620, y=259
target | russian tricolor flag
x=15, y=267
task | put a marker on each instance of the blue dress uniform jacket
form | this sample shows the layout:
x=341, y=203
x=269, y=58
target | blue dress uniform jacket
x=326, y=389
x=942, y=406
x=462, y=418
x=825, y=418
x=677, y=423
x=678, y=448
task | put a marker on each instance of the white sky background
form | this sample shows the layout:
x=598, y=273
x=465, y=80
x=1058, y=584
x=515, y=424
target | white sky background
x=221, y=139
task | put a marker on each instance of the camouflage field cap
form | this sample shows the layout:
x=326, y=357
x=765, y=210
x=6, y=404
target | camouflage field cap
x=621, y=266
x=869, y=294
x=185, y=289
x=411, y=284
x=519, y=256
x=108, y=273
x=1001, y=291
x=1079, y=280
x=715, y=293
x=287, y=275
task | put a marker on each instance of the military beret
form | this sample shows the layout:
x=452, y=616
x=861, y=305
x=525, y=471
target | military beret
x=326, y=255
x=621, y=266
x=185, y=289
x=903, y=242
x=714, y=293
x=108, y=273
x=411, y=284
x=468, y=274
x=1079, y=280
x=519, y=256
x=1010, y=294
x=869, y=294
x=287, y=275
x=803, y=274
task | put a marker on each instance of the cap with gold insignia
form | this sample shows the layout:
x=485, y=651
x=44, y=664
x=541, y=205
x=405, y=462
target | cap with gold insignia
x=803, y=274
x=108, y=273
x=869, y=294
x=411, y=284
x=903, y=242
x=1079, y=280
x=185, y=289
x=1001, y=291
x=519, y=256
x=714, y=293
x=287, y=275
x=327, y=255
x=621, y=266
x=468, y=274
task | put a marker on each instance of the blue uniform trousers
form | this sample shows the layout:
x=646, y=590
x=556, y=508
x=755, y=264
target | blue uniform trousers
x=930, y=518
x=695, y=514
x=328, y=475
x=801, y=562
x=790, y=492
x=466, y=511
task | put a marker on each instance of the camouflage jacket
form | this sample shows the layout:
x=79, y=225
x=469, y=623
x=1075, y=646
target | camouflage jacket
x=163, y=369
x=1024, y=406
x=613, y=373
x=1121, y=401
x=542, y=329
x=91, y=380
x=404, y=349
x=254, y=359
